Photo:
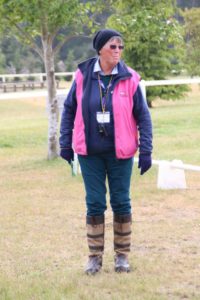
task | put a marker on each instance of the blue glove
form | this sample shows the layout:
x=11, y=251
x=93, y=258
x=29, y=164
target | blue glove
x=144, y=163
x=67, y=154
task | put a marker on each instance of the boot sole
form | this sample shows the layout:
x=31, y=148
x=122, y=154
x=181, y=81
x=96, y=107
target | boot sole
x=92, y=273
x=122, y=270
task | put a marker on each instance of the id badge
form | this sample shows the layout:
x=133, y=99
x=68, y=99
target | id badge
x=103, y=117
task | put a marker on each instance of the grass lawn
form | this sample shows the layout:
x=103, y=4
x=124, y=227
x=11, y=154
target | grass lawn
x=43, y=247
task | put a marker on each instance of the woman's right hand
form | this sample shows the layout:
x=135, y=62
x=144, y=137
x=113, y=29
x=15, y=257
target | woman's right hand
x=67, y=154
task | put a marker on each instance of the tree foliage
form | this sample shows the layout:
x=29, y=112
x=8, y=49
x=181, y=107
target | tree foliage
x=18, y=58
x=153, y=40
x=192, y=29
x=29, y=19
x=2, y=60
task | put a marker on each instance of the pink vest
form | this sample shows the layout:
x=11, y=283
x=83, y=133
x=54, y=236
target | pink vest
x=125, y=128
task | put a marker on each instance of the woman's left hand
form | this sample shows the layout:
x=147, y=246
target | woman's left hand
x=145, y=162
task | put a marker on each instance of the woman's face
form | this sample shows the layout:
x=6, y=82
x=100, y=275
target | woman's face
x=111, y=52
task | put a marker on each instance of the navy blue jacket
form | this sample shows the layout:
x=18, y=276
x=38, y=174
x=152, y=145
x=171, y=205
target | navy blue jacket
x=91, y=104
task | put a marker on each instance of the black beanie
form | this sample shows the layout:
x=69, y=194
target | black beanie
x=102, y=36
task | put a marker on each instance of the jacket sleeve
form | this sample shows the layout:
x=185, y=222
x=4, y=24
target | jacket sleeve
x=67, y=119
x=143, y=119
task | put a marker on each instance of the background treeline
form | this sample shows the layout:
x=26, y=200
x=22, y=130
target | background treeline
x=16, y=57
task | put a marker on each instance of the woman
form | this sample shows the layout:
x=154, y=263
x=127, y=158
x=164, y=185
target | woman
x=102, y=115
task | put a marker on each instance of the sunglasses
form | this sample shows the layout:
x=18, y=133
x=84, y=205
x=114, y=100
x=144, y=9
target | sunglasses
x=113, y=47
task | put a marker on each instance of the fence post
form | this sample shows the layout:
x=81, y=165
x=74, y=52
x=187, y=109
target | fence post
x=169, y=177
x=41, y=78
x=143, y=88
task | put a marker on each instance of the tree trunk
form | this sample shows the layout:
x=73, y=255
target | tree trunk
x=52, y=105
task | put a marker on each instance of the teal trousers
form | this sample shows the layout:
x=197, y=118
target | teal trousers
x=95, y=170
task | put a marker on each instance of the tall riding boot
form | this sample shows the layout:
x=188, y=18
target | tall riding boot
x=122, y=242
x=95, y=237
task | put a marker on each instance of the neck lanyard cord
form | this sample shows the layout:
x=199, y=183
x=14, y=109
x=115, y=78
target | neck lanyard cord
x=103, y=105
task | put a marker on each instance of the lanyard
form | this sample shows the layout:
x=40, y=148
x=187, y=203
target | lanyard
x=104, y=98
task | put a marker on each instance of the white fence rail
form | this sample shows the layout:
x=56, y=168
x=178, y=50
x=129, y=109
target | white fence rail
x=172, y=81
x=146, y=83
x=3, y=78
x=40, y=76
